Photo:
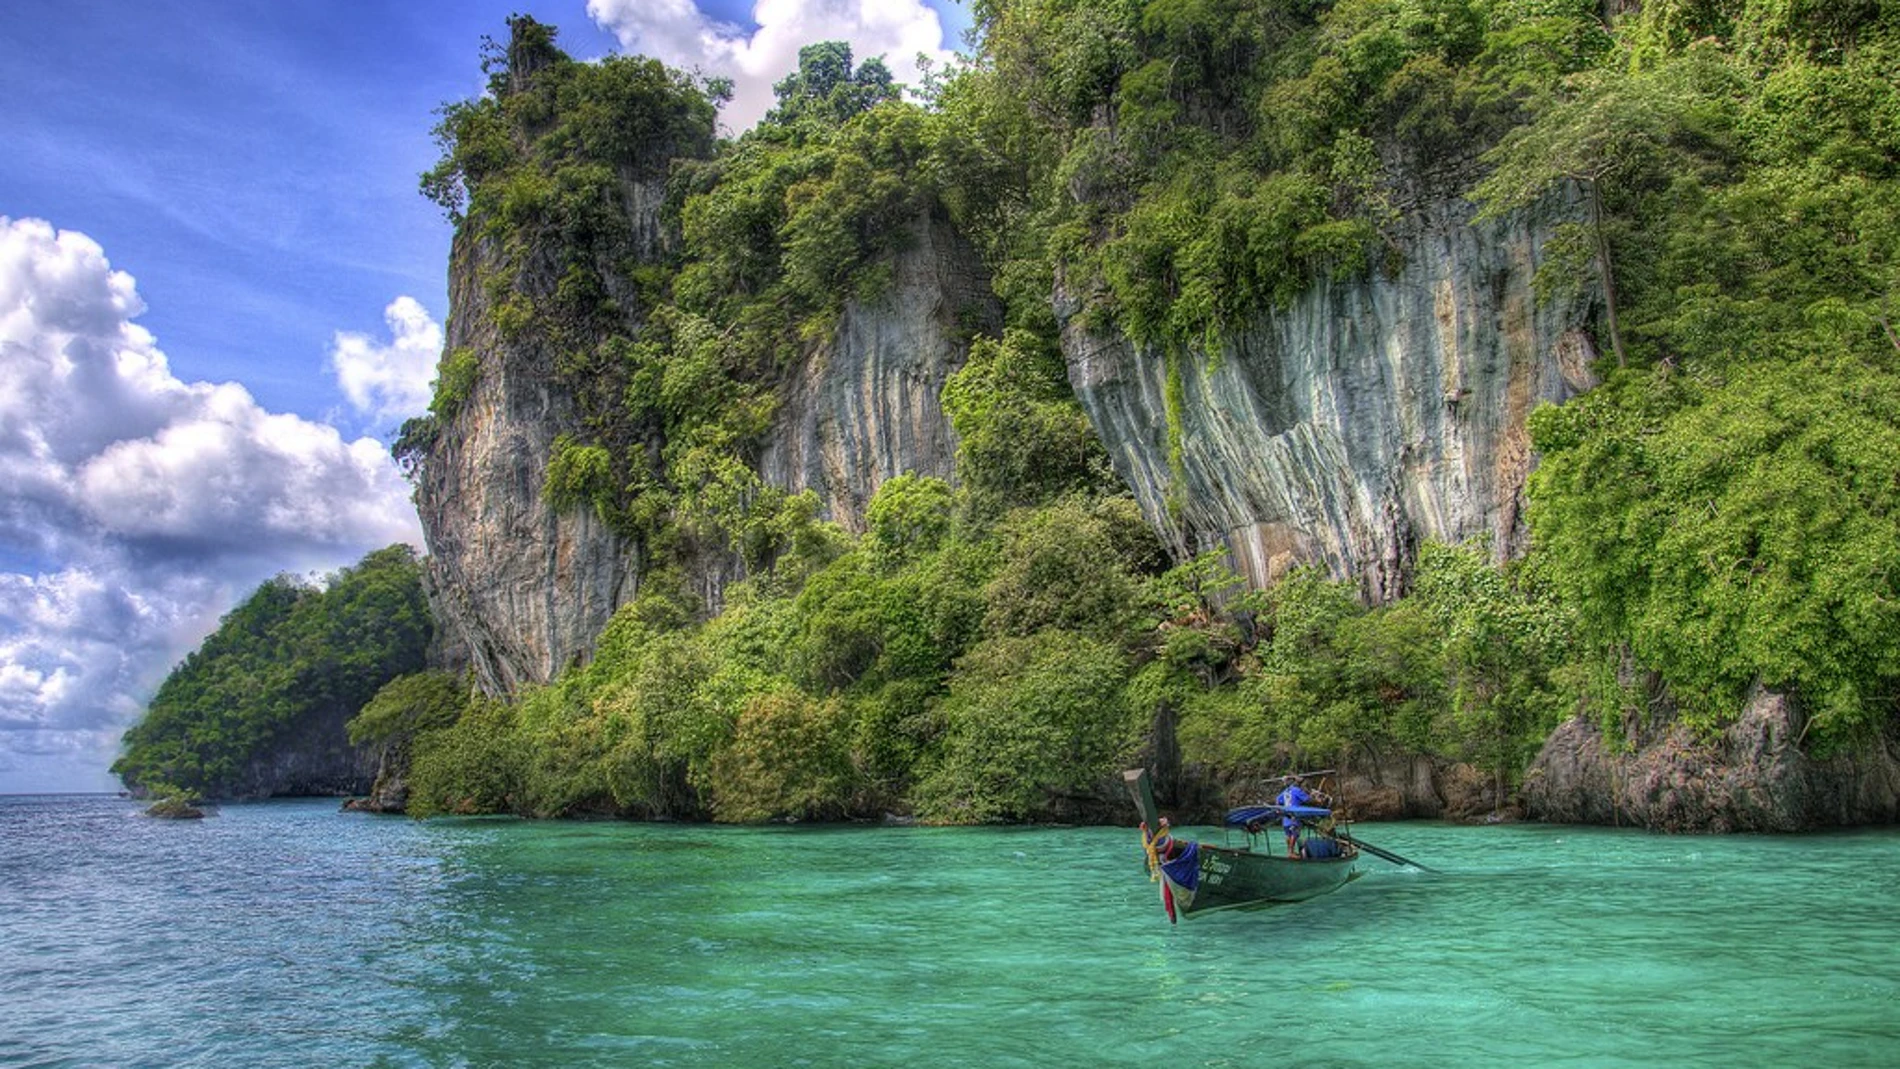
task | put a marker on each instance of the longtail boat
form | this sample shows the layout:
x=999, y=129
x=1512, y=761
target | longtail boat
x=1200, y=877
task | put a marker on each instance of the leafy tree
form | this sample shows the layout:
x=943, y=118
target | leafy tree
x=1021, y=436
x=1060, y=566
x=1501, y=644
x=408, y=705
x=789, y=758
x=828, y=89
x=1611, y=123
x=1735, y=532
x=1027, y=719
x=1306, y=673
x=579, y=474
x=474, y=766
x=909, y=516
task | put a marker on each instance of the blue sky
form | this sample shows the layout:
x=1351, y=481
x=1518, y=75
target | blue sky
x=220, y=292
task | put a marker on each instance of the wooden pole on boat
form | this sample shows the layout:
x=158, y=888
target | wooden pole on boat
x=1136, y=780
x=1143, y=795
x=1347, y=837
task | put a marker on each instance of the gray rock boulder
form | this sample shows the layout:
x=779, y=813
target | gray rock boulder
x=1753, y=777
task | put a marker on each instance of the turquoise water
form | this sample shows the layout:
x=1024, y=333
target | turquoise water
x=289, y=934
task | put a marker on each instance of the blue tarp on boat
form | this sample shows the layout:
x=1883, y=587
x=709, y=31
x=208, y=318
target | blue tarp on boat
x=1184, y=868
x=1260, y=814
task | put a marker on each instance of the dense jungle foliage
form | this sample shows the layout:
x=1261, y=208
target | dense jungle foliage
x=1719, y=514
x=293, y=652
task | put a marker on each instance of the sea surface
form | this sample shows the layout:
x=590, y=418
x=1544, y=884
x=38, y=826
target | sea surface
x=292, y=934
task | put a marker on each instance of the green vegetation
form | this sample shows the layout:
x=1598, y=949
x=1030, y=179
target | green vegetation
x=292, y=655
x=407, y=705
x=1464, y=668
x=174, y=807
x=455, y=380
x=1191, y=163
x=972, y=671
x=1720, y=514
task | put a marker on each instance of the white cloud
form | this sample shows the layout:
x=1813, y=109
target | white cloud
x=390, y=382
x=679, y=34
x=135, y=508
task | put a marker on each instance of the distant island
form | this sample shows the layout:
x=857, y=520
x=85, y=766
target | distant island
x=260, y=708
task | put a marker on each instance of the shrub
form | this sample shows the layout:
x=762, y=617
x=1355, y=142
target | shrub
x=1028, y=719
x=788, y=759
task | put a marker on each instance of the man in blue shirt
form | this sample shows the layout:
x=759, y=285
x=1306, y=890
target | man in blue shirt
x=1294, y=795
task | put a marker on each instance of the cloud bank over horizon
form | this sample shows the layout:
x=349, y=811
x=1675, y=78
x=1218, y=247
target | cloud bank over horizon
x=678, y=33
x=137, y=508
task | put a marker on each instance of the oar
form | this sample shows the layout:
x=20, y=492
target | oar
x=1347, y=837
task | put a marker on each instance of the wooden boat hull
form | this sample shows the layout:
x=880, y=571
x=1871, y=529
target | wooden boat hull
x=1200, y=877
x=1231, y=877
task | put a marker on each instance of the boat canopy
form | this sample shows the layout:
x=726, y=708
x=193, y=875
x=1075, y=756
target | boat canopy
x=1256, y=814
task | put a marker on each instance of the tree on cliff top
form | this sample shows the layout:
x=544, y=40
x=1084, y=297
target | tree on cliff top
x=505, y=153
x=1609, y=125
x=826, y=87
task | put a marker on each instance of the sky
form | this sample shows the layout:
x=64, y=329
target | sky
x=221, y=293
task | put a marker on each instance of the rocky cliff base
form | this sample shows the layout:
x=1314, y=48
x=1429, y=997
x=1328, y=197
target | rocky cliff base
x=313, y=759
x=1753, y=778
x=389, y=794
x=1371, y=786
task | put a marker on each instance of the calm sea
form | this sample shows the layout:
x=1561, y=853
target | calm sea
x=290, y=934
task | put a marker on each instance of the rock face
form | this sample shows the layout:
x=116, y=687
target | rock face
x=867, y=407
x=1369, y=415
x=390, y=792
x=1754, y=777
x=313, y=758
x=526, y=588
x=523, y=587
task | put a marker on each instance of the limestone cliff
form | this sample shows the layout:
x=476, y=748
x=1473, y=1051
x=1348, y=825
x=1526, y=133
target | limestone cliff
x=1370, y=414
x=868, y=406
x=526, y=588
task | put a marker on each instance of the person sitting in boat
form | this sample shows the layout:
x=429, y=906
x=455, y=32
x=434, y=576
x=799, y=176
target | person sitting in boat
x=1294, y=795
x=1320, y=848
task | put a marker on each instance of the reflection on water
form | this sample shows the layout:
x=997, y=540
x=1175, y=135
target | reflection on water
x=291, y=934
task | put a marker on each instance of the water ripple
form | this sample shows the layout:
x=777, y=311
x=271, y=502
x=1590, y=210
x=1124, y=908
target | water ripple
x=290, y=934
